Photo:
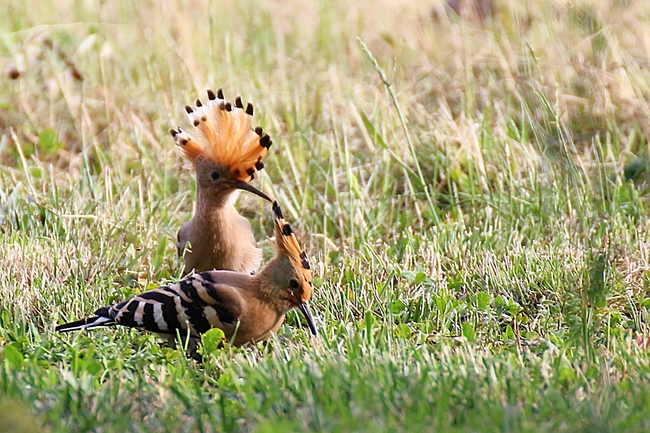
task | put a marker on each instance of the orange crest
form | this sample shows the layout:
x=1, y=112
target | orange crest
x=223, y=135
x=288, y=245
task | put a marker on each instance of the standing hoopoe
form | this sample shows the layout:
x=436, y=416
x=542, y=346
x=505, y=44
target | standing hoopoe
x=226, y=152
x=248, y=308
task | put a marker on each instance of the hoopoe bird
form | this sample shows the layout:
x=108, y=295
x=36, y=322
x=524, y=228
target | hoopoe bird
x=225, y=152
x=248, y=308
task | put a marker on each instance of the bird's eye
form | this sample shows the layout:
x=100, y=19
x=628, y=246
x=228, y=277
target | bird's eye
x=214, y=175
x=293, y=283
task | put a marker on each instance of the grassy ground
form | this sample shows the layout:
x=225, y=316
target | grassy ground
x=473, y=203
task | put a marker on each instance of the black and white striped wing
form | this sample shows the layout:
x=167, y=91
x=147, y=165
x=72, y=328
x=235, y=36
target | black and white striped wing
x=195, y=303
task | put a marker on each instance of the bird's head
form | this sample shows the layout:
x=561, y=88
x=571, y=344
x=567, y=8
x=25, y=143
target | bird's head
x=290, y=270
x=225, y=151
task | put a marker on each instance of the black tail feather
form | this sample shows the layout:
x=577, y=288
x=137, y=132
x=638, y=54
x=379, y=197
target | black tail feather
x=88, y=323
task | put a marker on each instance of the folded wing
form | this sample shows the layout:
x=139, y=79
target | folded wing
x=196, y=303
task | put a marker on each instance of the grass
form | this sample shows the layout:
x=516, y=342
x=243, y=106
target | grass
x=471, y=192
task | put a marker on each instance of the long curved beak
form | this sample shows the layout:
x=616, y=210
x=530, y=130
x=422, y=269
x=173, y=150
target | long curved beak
x=304, y=309
x=250, y=188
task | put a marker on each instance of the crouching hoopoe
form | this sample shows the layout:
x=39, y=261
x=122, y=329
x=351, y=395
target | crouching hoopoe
x=248, y=308
x=226, y=152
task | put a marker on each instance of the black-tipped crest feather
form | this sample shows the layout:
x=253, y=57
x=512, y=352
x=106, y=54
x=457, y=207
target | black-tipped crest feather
x=224, y=136
x=288, y=244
